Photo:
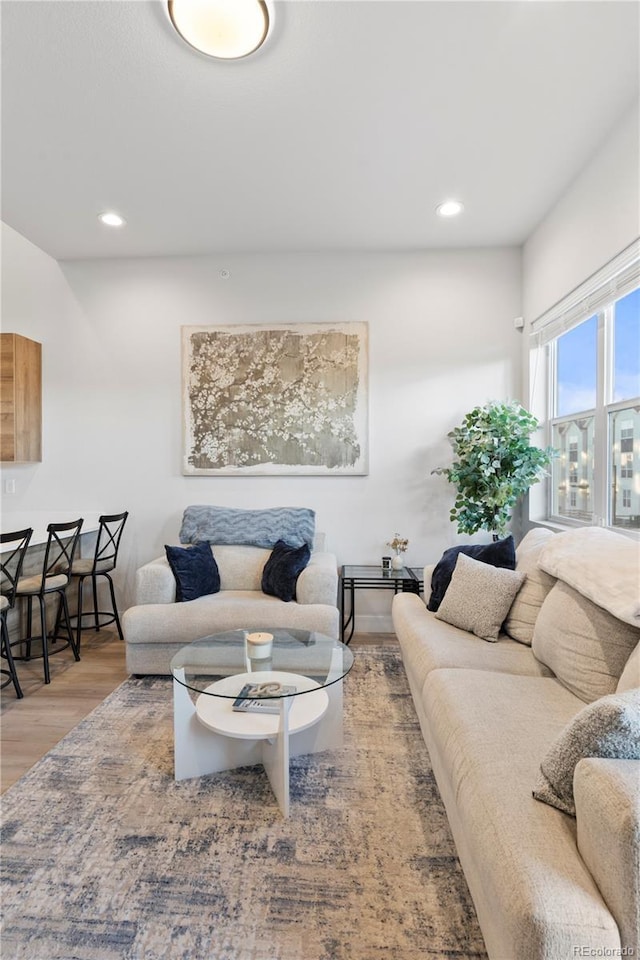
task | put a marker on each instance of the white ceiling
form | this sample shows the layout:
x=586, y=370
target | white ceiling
x=342, y=133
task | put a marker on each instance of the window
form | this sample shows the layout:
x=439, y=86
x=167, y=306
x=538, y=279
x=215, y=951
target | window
x=575, y=361
x=576, y=368
x=626, y=348
x=626, y=438
x=625, y=501
x=592, y=346
x=582, y=408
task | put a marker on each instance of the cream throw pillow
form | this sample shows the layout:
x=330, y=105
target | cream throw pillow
x=533, y=592
x=601, y=564
x=479, y=597
x=585, y=646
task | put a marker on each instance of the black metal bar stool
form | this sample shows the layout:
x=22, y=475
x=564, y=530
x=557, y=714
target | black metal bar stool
x=11, y=561
x=55, y=577
x=101, y=564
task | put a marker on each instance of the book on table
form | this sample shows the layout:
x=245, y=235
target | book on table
x=262, y=697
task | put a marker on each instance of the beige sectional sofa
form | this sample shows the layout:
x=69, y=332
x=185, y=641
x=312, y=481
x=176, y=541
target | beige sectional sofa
x=156, y=627
x=546, y=885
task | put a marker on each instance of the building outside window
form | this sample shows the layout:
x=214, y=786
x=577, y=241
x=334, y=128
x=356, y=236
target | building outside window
x=626, y=437
x=626, y=466
x=592, y=351
x=624, y=434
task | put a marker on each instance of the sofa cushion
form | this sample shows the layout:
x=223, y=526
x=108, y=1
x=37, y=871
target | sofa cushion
x=195, y=570
x=257, y=528
x=486, y=734
x=479, y=596
x=608, y=728
x=428, y=644
x=155, y=631
x=282, y=569
x=501, y=553
x=585, y=647
x=533, y=592
x=241, y=566
x=630, y=676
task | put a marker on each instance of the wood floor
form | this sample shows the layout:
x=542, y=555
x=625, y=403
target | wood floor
x=30, y=727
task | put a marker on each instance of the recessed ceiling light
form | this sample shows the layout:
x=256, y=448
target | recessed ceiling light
x=226, y=29
x=111, y=219
x=449, y=208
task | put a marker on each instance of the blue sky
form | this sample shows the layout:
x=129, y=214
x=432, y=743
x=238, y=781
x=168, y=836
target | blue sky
x=627, y=347
x=577, y=351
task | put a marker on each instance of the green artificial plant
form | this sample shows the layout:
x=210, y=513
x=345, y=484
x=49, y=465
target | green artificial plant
x=494, y=465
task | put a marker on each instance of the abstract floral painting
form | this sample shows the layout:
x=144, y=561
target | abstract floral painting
x=276, y=399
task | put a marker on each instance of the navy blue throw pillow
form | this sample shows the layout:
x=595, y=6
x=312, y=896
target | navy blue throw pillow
x=500, y=553
x=195, y=570
x=282, y=569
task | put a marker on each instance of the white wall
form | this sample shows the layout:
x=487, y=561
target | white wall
x=596, y=218
x=441, y=340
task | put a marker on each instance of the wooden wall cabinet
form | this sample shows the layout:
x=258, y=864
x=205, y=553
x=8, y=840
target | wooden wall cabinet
x=20, y=399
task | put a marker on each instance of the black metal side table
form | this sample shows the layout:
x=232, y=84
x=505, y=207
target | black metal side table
x=352, y=578
x=418, y=573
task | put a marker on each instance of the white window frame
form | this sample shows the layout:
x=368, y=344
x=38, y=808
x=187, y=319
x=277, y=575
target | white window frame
x=595, y=297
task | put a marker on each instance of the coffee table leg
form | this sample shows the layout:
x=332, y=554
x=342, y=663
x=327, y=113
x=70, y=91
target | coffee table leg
x=191, y=742
x=199, y=751
x=275, y=758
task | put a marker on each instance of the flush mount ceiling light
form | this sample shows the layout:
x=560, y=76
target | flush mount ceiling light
x=449, y=208
x=111, y=219
x=225, y=29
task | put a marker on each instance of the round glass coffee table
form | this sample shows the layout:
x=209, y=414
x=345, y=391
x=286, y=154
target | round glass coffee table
x=295, y=674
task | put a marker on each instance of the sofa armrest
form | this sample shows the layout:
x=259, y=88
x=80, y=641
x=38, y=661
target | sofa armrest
x=155, y=583
x=607, y=797
x=318, y=582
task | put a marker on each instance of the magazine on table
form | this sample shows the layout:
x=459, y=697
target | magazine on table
x=262, y=697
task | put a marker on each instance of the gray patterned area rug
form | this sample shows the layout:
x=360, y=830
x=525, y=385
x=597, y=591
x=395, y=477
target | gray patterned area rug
x=106, y=857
